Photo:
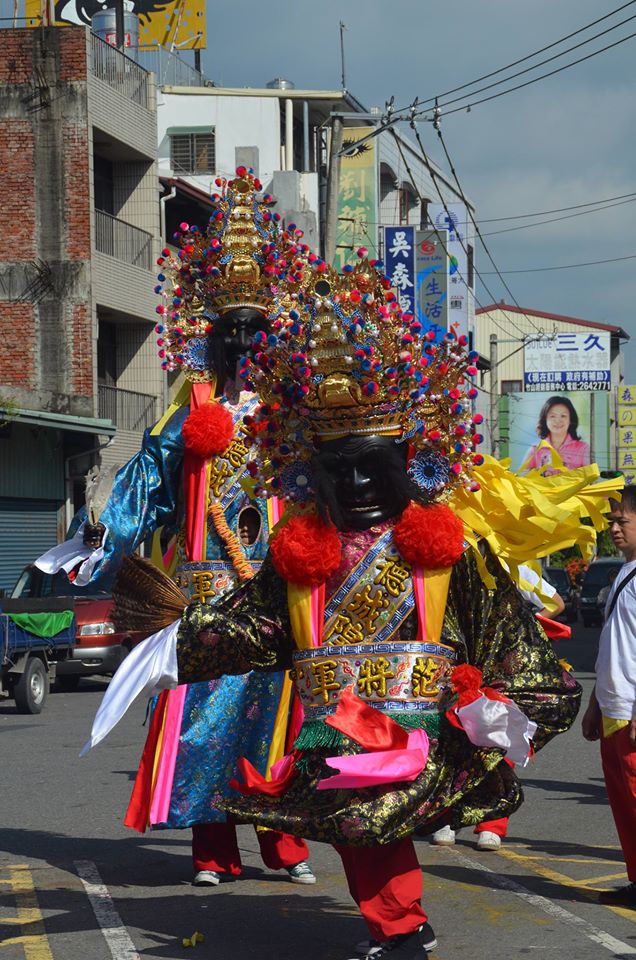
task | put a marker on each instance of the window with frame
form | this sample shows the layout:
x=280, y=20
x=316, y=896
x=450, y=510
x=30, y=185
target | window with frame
x=193, y=152
x=511, y=386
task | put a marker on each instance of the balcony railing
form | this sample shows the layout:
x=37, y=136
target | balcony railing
x=119, y=71
x=127, y=409
x=123, y=241
x=170, y=69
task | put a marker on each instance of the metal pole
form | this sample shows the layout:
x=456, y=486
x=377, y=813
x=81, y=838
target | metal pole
x=197, y=60
x=289, y=134
x=494, y=397
x=343, y=27
x=333, y=190
x=119, y=25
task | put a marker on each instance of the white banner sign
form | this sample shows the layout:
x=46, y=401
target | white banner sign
x=568, y=361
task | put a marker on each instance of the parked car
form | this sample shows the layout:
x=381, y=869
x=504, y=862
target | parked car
x=596, y=577
x=559, y=579
x=99, y=648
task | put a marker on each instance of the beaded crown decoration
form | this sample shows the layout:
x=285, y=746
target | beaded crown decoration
x=344, y=360
x=237, y=261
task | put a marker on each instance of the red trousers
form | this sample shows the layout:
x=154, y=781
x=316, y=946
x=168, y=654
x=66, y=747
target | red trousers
x=215, y=847
x=500, y=827
x=386, y=883
x=619, y=769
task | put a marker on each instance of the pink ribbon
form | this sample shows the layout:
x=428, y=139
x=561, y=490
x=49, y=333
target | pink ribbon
x=382, y=766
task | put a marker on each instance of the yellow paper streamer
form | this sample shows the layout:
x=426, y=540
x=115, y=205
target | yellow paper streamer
x=193, y=940
x=526, y=517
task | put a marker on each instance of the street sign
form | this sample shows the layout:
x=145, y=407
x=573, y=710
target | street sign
x=453, y=218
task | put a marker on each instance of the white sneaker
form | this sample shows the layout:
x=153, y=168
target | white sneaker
x=444, y=837
x=486, y=840
x=206, y=878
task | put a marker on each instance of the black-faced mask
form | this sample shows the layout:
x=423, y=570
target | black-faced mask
x=361, y=481
x=231, y=338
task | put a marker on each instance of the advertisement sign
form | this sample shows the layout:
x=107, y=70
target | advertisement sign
x=568, y=361
x=358, y=197
x=161, y=22
x=399, y=263
x=626, y=423
x=453, y=218
x=575, y=426
x=431, y=280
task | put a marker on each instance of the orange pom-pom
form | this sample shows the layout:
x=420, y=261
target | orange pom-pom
x=430, y=537
x=208, y=430
x=306, y=551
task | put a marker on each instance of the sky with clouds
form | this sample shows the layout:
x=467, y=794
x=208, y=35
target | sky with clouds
x=565, y=140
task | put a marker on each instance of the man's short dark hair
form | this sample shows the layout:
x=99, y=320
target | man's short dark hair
x=628, y=498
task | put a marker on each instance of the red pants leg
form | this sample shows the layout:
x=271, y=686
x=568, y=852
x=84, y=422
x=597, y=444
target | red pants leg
x=500, y=827
x=619, y=769
x=280, y=850
x=386, y=883
x=214, y=847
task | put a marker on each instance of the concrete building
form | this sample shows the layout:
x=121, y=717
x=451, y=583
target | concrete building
x=501, y=330
x=80, y=218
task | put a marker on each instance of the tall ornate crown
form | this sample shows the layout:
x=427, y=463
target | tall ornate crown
x=237, y=261
x=345, y=360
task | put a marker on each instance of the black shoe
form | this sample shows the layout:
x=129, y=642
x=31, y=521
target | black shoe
x=621, y=897
x=407, y=946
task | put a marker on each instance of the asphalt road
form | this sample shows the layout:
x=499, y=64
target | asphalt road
x=74, y=884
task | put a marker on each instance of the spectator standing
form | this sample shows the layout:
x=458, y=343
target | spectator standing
x=611, y=714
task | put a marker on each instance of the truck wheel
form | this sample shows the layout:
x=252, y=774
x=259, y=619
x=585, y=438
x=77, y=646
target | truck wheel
x=67, y=682
x=32, y=688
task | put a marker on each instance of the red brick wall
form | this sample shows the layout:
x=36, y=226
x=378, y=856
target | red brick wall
x=73, y=61
x=76, y=192
x=16, y=62
x=82, y=357
x=17, y=364
x=17, y=210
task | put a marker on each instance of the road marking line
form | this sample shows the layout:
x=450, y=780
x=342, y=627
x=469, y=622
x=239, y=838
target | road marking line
x=608, y=876
x=35, y=942
x=605, y=940
x=566, y=881
x=119, y=943
x=552, y=859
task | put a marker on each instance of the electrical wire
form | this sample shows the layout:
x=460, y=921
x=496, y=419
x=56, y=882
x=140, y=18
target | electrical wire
x=545, y=213
x=434, y=178
x=542, y=63
x=528, y=56
x=475, y=224
x=539, y=223
x=565, y=266
x=543, y=76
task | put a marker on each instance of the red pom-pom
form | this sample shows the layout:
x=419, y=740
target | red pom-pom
x=208, y=430
x=306, y=551
x=430, y=537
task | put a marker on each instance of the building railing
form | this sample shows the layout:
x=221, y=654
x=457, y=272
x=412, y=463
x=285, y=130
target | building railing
x=170, y=69
x=119, y=71
x=127, y=409
x=123, y=241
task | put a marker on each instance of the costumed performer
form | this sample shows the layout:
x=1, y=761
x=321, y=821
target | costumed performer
x=190, y=477
x=418, y=664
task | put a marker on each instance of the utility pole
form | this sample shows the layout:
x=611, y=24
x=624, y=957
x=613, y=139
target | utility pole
x=333, y=190
x=494, y=397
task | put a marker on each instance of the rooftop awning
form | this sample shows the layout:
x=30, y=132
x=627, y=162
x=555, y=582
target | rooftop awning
x=60, y=421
